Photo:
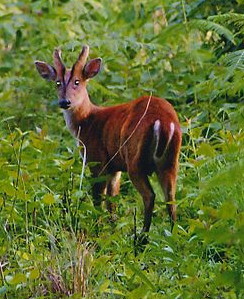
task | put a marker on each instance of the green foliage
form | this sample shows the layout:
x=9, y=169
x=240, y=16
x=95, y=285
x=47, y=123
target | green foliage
x=53, y=242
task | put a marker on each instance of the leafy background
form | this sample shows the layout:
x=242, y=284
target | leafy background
x=54, y=243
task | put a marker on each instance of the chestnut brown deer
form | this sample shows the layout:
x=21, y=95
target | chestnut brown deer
x=140, y=137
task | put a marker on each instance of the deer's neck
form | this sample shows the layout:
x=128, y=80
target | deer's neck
x=75, y=116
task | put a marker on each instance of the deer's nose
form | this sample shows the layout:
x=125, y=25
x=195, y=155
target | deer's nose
x=64, y=103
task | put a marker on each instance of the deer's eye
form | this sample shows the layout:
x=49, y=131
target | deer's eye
x=77, y=82
x=58, y=83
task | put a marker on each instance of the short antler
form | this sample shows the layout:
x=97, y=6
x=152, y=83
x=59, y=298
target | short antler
x=58, y=63
x=81, y=61
x=83, y=55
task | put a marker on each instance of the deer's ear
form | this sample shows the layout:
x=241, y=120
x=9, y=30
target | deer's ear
x=46, y=70
x=92, y=68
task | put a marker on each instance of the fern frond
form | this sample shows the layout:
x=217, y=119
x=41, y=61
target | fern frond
x=206, y=25
x=234, y=60
x=234, y=19
x=201, y=25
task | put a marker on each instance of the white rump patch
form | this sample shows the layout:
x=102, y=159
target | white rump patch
x=171, y=133
x=156, y=129
x=157, y=136
x=156, y=125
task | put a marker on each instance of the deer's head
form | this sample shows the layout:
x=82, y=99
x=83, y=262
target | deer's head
x=71, y=83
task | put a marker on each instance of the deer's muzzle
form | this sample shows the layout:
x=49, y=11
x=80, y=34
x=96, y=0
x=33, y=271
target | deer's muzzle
x=64, y=104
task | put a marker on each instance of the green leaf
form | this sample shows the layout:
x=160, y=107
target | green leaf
x=227, y=210
x=9, y=189
x=206, y=25
x=206, y=150
x=234, y=59
x=229, y=176
x=114, y=292
x=18, y=278
x=104, y=286
x=34, y=274
x=140, y=274
x=48, y=199
x=227, y=278
x=140, y=292
x=64, y=165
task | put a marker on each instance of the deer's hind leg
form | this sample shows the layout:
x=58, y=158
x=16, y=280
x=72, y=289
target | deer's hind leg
x=143, y=186
x=167, y=180
x=166, y=171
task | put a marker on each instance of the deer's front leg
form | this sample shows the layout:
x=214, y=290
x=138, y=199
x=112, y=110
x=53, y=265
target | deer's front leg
x=113, y=188
x=99, y=189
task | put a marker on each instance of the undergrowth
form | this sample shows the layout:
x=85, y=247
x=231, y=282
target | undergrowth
x=53, y=242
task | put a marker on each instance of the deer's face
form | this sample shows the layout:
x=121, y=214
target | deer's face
x=71, y=83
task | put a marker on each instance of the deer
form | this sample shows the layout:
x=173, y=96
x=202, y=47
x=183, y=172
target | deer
x=140, y=137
